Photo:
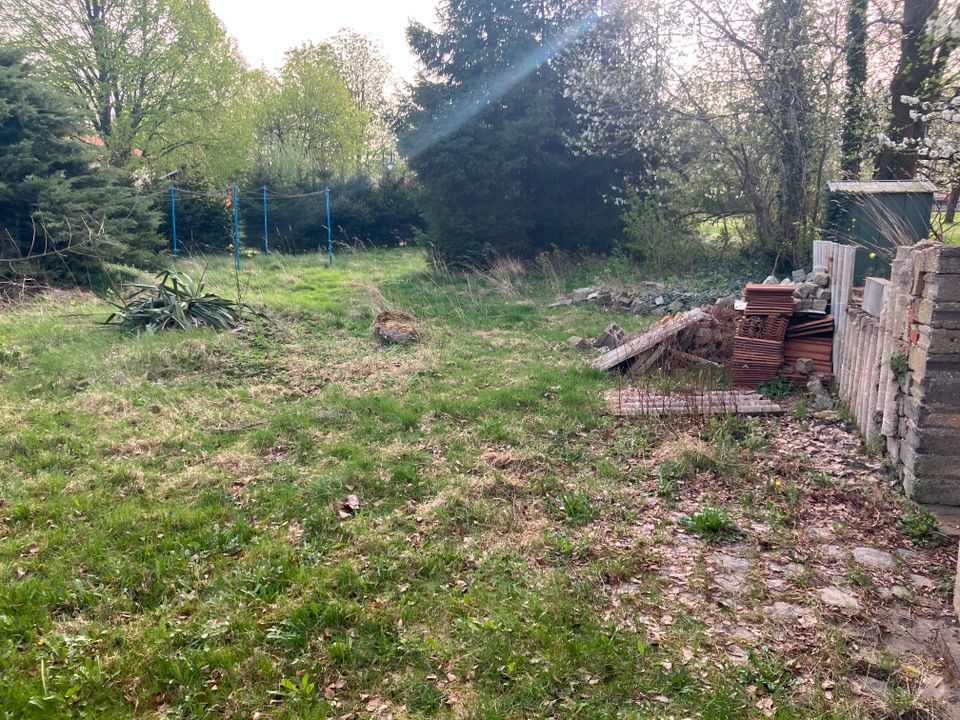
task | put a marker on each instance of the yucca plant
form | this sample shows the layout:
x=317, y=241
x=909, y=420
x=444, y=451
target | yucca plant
x=176, y=301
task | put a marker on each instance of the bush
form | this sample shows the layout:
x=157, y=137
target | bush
x=362, y=212
x=384, y=214
x=656, y=239
x=204, y=219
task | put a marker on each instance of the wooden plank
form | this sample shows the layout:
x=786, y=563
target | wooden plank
x=641, y=366
x=658, y=334
x=694, y=359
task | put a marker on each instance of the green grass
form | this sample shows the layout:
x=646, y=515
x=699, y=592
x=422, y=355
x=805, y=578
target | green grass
x=171, y=546
x=712, y=523
x=951, y=231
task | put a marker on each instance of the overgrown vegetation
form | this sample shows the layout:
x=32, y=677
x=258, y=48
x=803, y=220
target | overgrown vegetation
x=292, y=521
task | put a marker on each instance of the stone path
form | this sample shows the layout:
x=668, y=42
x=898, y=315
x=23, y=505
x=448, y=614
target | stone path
x=841, y=568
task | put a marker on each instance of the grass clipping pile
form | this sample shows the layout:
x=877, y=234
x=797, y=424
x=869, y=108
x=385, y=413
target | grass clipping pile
x=393, y=327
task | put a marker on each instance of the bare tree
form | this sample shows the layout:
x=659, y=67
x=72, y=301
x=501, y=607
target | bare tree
x=765, y=92
x=367, y=73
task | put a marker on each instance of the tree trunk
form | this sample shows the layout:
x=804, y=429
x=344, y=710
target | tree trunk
x=913, y=77
x=853, y=114
x=790, y=106
x=952, y=204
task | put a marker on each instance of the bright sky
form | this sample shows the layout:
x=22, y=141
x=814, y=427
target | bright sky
x=265, y=30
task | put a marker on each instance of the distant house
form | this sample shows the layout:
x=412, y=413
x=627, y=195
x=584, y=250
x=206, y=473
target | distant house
x=940, y=201
x=97, y=141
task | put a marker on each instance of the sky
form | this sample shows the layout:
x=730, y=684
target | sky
x=265, y=30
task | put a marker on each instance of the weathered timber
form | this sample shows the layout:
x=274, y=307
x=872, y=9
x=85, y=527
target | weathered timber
x=656, y=335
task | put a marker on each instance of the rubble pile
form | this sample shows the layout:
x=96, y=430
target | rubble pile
x=699, y=336
x=758, y=344
x=780, y=328
x=785, y=330
x=811, y=291
x=648, y=298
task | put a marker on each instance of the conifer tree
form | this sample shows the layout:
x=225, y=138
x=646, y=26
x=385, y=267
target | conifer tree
x=489, y=128
x=62, y=214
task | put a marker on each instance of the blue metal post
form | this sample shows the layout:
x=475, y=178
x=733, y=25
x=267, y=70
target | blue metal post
x=236, y=230
x=266, y=243
x=329, y=233
x=173, y=220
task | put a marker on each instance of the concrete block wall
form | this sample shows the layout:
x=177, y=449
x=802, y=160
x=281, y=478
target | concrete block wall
x=916, y=408
x=930, y=412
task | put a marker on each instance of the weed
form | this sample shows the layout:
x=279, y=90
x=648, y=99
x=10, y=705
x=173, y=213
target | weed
x=298, y=692
x=860, y=577
x=713, y=523
x=765, y=671
x=921, y=527
x=898, y=364
x=426, y=698
x=564, y=548
x=577, y=508
x=799, y=410
x=10, y=355
x=780, y=387
x=669, y=474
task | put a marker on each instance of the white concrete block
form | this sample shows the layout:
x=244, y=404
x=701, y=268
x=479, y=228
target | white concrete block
x=875, y=292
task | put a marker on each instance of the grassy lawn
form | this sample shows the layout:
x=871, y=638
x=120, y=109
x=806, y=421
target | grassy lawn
x=172, y=543
x=951, y=232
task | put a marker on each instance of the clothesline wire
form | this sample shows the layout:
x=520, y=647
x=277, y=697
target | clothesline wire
x=226, y=194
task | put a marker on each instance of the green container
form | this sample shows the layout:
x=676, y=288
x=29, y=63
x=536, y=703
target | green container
x=877, y=216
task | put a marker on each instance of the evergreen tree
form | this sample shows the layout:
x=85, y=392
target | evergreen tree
x=488, y=128
x=62, y=215
x=854, y=112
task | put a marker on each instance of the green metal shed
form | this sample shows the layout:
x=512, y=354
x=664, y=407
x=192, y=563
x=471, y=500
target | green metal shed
x=877, y=216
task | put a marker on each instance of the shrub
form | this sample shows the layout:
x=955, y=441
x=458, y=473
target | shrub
x=204, y=220
x=176, y=301
x=362, y=212
x=384, y=214
x=657, y=240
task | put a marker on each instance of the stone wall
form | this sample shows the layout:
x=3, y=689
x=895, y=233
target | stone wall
x=930, y=412
x=899, y=368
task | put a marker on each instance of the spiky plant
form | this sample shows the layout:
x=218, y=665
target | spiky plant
x=176, y=301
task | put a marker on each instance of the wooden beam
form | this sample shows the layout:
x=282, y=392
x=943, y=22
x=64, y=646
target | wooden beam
x=654, y=336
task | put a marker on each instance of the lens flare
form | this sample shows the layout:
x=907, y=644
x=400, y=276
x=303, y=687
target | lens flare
x=465, y=109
